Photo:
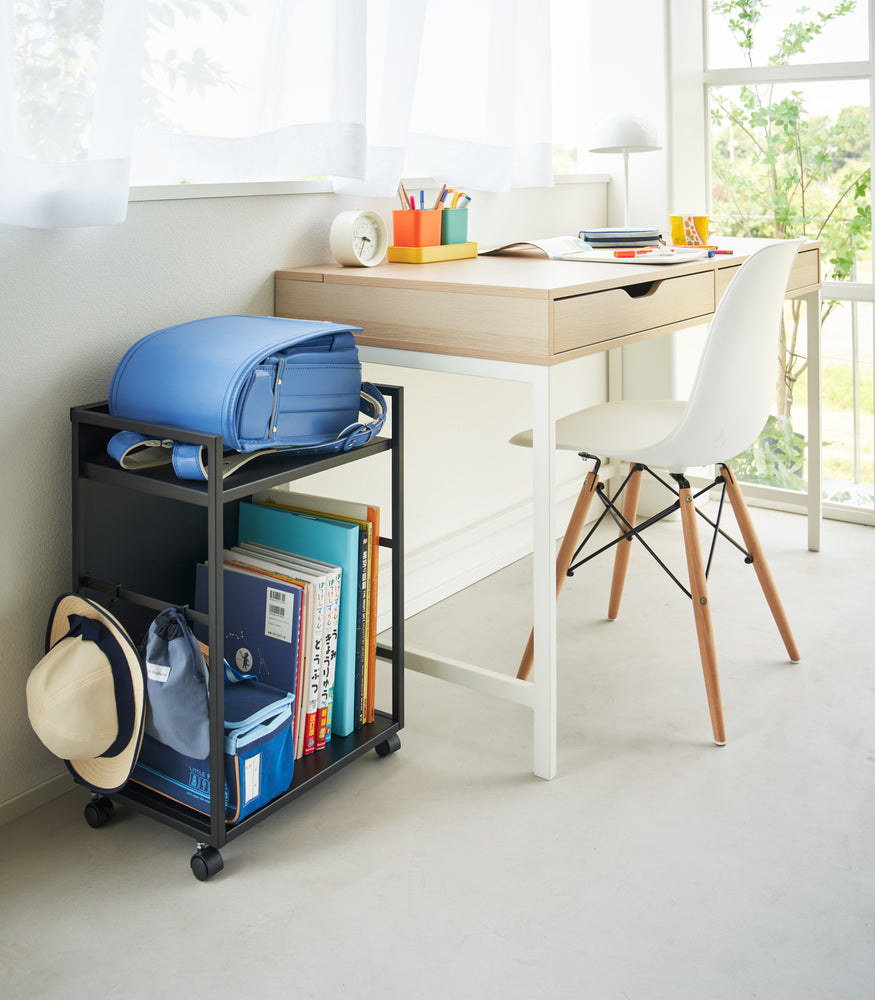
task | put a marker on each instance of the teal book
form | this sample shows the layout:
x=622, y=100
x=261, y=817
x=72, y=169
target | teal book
x=335, y=542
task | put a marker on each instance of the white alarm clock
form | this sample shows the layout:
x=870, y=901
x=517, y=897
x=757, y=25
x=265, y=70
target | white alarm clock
x=359, y=238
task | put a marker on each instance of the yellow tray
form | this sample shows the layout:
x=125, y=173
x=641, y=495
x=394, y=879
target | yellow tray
x=425, y=255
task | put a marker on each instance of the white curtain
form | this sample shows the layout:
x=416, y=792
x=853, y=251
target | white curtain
x=459, y=90
x=286, y=96
x=68, y=103
x=99, y=94
x=481, y=109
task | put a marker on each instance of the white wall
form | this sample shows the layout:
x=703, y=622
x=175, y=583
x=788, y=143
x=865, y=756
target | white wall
x=74, y=300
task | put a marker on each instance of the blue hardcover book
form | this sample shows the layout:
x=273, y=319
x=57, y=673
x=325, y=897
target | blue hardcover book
x=335, y=542
x=262, y=625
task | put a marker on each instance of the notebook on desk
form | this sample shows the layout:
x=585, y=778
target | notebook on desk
x=554, y=247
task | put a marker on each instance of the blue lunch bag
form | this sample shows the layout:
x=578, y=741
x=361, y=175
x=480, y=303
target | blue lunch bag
x=259, y=755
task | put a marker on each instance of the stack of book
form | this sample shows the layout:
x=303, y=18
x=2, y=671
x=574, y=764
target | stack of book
x=300, y=607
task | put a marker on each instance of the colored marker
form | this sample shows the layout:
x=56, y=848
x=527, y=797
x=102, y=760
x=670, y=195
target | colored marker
x=634, y=253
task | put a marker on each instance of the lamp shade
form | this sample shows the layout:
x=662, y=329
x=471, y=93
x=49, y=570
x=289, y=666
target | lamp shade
x=624, y=134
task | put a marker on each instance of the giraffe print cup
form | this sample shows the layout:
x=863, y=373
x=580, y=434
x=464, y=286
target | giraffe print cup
x=689, y=230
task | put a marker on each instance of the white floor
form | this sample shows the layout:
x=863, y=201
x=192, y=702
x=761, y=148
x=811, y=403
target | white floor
x=655, y=866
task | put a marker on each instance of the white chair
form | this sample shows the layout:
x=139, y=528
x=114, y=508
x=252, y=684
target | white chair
x=728, y=407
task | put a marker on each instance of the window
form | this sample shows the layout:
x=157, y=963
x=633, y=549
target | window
x=572, y=83
x=789, y=99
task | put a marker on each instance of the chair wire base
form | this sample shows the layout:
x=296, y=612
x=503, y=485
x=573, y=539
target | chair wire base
x=629, y=531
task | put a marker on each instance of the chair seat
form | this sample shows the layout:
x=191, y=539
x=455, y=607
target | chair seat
x=624, y=429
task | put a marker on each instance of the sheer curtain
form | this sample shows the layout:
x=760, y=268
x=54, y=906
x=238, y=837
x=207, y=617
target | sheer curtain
x=459, y=90
x=69, y=88
x=279, y=94
x=99, y=94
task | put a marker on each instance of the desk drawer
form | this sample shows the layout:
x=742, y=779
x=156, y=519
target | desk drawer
x=584, y=320
x=805, y=273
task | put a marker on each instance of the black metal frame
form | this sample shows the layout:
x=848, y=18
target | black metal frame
x=129, y=524
x=630, y=531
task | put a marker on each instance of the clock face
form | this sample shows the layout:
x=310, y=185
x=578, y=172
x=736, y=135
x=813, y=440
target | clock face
x=366, y=238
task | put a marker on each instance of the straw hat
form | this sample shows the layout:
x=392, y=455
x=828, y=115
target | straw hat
x=86, y=696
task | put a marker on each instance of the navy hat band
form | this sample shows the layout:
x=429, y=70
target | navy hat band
x=94, y=630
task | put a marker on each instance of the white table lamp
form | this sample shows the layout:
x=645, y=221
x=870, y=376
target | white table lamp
x=624, y=134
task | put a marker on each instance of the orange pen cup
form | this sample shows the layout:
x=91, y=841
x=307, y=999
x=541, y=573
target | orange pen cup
x=417, y=228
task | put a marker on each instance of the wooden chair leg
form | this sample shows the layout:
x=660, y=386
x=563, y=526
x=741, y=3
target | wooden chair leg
x=563, y=560
x=624, y=548
x=702, y=612
x=760, y=565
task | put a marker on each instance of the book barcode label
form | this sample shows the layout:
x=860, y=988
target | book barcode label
x=278, y=615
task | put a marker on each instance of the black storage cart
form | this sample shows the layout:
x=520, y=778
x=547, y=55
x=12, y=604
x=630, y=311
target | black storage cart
x=137, y=538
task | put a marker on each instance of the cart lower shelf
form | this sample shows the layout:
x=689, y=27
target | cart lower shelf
x=380, y=735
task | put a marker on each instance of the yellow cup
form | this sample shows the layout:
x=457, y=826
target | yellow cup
x=689, y=230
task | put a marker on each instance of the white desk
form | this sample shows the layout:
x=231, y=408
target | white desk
x=516, y=318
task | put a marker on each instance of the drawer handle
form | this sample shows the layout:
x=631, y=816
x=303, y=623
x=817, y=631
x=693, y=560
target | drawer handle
x=642, y=289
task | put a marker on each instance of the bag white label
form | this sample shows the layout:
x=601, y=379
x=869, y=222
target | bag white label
x=158, y=672
x=278, y=614
x=252, y=778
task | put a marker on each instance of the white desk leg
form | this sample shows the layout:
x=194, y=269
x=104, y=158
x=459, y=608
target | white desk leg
x=544, y=576
x=815, y=431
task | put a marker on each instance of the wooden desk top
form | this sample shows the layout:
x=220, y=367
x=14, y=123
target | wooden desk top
x=520, y=307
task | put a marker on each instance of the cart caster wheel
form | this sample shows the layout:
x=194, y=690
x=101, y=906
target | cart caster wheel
x=206, y=863
x=389, y=745
x=99, y=811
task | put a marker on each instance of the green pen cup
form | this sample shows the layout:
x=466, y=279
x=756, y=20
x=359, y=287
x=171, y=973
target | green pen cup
x=454, y=225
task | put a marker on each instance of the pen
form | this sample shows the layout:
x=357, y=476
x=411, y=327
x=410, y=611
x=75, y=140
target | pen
x=633, y=253
x=422, y=201
x=413, y=203
x=712, y=249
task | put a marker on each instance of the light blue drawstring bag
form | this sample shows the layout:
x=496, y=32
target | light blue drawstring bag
x=177, y=706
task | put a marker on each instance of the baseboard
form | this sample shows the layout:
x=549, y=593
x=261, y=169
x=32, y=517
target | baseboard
x=445, y=567
x=33, y=798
